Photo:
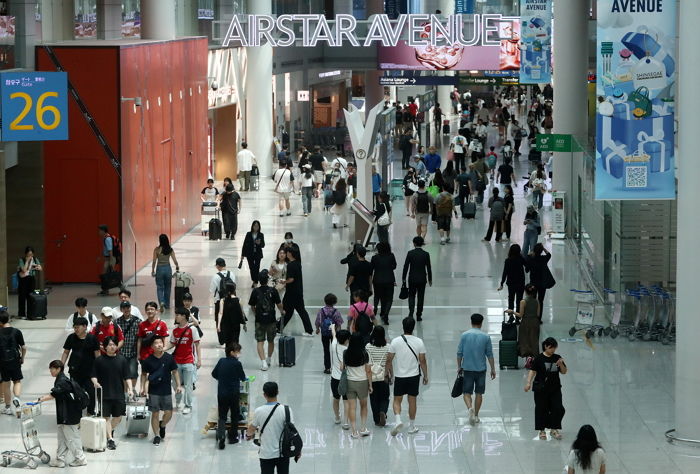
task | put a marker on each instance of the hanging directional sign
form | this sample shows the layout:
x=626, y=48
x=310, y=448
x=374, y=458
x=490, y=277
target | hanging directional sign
x=418, y=81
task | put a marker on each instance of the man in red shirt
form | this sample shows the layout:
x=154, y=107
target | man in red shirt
x=149, y=329
x=106, y=327
x=413, y=110
x=185, y=340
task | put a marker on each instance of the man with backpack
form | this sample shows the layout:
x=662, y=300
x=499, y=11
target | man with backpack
x=80, y=351
x=262, y=302
x=420, y=209
x=278, y=438
x=71, y=400
x=111, y=251
x=444, y=206
x=496, y=216
x=217, y=287
x=80, y=312
x=105, y=327
x=12, y=354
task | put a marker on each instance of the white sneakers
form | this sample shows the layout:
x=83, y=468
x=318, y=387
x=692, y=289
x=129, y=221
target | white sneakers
x=396, y=429
x=365, y=432
x=269, y=361
x=187, y=410
x=412, y=429
x=472, y=417
x=264, y=366
x=7, y=411
x=337, y=420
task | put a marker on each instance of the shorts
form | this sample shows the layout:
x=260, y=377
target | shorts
x=265, y=331
x=160, y=402
x=132, y=367
x=11, y=371
x=114, y=408
x=474, y=382
x=334, y=389
x=443, y=223
x=422, y=219
x=406, y=386
x=318, y=176
x=284, y=196
x=358, y=389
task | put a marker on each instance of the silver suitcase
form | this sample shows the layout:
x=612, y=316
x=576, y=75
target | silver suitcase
x=93, y=429
x=138, y=420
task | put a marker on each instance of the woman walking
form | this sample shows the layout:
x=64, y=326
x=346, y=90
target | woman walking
x=383, y=280
x=543, y=380
x=253, y=244
x=307, y=188
x=377, y=349
x=383, y=217
x=538, y=183
x=162, y=271
x=586, y=456
x=228, y=328
x=26, y=271
x=529, y=332
x=509, y=203
x=540, y=275
x=359, y=373
x=410, y=185
x=532, y=230
x=513, y=275
x=339, y=209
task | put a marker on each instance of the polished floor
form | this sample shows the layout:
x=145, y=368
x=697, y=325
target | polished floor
x=624, y=389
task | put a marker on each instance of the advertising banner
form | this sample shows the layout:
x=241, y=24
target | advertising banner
x=636, y=92
x=536, y=43
x=426, y=58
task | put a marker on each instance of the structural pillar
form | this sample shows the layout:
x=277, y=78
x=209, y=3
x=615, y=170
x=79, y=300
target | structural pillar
x=688, y=258
x=259, y=133
x=158, y=19
x=187, y=17
x=60, y=23
x=570, y=87
x=25, y=32
x=109, y=19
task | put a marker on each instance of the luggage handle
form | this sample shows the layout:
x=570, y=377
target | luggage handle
x=98, y=407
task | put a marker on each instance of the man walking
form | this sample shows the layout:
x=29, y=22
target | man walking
x=496, y=216
x=283, y=188
x=294, y=296
x=229, y=373
x=419, y=271
x=217, y=287
x=406, y=362
x=12, y=354
x=129, y=325
x=474, y=346
x=420, y=209
x=80, y=350
x=262, y=302
x=230, y=208
x=245, y=159
x=185, y=340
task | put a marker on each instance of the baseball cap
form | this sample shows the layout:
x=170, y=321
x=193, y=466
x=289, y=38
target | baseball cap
x=107, y=311
x=125, y=304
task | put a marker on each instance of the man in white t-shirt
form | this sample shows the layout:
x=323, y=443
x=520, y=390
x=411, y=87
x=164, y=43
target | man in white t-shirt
x=125, y=295
x=406, y=362
x=283, y=188
x=80, y=312
x=210, y=193
x=340, y=163
x=245, y=159
x=458, y=145
x=269, y=419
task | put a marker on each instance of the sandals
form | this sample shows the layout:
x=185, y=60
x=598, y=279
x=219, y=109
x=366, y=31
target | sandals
x=543, y=435
x=555, y=434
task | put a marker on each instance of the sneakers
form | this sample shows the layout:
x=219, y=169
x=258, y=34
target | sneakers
x=305, y=214
x=187, y=410
x=308, y=334
x=365, y=432
x=7, y=411
x=447, y=240
x=233, y=440
x=264, y=366
x=111, y=444
x=281, y=214
x=17, y=405
x=346, y=426
x=555, y=434
x=472, y=417
x=269, y=361
x=337, y=420
x=477, y=419
x=412, y=429
x=78, y=462
x=327, y=371
x=289, y=213
x=355, y=435
x=57, y=463
x=382, y=419
x=396, y=429
x=156, y=440
x=442, y=241
x=162, y=431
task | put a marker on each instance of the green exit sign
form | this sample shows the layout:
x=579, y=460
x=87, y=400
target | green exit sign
x=555, y=142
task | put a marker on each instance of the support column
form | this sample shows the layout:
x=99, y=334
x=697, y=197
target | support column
x=688, y=326
x=3, y=232
x=109, y=19
x=187, y=18
x=259, y=133
x=570, y=87
x=57, y=20
x=158, y=19
x=25, y=32
x=447, y=7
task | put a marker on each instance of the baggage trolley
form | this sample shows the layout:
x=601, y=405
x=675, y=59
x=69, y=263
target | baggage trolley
x=246, y=413
x=615, y=304
x=585, y=314
x=30, y=438
x=396, y=189
x=209, y=210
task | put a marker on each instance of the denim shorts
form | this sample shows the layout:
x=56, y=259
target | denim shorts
x=474, y=382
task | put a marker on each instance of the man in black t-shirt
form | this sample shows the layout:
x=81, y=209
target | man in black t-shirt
x=12, y=353
x=157, y=373
x=80, y=351
x=318, y=163
x=294, y=294
x=230, y=208
x=265, y=322
x=110, y=372
x=506, y=175
x=360, y=274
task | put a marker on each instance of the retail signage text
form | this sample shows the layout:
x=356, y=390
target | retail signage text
x=419, y=29
x=418, y=81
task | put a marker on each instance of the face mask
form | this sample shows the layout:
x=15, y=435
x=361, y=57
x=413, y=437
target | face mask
x=289, y=241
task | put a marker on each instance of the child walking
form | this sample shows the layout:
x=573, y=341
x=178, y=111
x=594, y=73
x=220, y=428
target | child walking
x=327, y=317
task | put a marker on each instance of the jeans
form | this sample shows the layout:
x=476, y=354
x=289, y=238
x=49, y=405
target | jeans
x=26, y=285
x=326, y=341
x=383, y=233
x=383, y=297
x=537, y=197
x=230, y=224
x=267, y=466
x=164, y=278
x=296, y=303
x=69, y=441
x=307, y=193
x=228, y=402
x=515, y=296
x=254, y=267
x=186, y=372
x=529, y=241
x=413, y=289
x=379, y=399
x=549, y=409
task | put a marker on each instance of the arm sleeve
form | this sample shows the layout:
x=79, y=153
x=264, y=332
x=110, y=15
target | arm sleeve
x=489, y=349
x=430, y=270
x=460, y=349
x=406, y=264
x=215, y=372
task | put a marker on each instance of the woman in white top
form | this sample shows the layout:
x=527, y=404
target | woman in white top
x=278, y=271
x=356, y=362
x=307, y=189
x=538, y=183
x=338, y=346
x=586, y=456
x=377, y=349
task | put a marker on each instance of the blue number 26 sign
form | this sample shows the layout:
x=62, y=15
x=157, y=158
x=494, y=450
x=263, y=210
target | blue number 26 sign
x=34, y=106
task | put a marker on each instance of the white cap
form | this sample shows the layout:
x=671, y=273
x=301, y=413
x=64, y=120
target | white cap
x=107, y=311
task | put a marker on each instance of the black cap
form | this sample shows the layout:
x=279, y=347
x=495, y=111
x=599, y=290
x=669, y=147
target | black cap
x=125, y=304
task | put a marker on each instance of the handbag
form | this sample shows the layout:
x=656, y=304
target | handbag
x=458, y=385
x=403, y=293
x=433, y=190
x=384, y=219
x=640, y=99
x=548, y=279
x=378, y=370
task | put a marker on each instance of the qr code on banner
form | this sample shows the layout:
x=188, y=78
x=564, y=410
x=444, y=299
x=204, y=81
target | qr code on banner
x=636, y=176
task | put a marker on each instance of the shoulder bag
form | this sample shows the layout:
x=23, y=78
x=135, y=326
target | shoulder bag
x=343, y=382
x=420, y=372
x=384, y=219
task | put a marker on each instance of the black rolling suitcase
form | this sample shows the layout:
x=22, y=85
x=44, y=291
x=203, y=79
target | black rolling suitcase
x=469, y=209
x=287, y=349
x=216, y=228
x=37, y=305
x=111, y=279
x=446, y=127
x=508, y=354
x=509, y=330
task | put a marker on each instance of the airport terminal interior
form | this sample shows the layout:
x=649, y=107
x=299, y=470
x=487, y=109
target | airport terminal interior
x=119, y=117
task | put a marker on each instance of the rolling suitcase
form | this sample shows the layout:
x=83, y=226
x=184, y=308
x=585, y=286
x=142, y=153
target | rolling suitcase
x=209, y=209
x=286, y=349
x=138, y=420
x=111, y=279
x=93, y=429
x=508, y=354
x=509, y=330
x=446, y=127
x=37, y=305
x=469, y=209
x=215, y=229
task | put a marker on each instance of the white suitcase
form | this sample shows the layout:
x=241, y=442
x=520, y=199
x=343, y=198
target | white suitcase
x=138, y=420
x=93, y=429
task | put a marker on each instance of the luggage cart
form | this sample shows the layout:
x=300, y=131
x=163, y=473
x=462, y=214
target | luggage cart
x=245, y=411
x=209, y=210
x=585, y=314
x=613, y=304
x=396, y=189
x=30, y=438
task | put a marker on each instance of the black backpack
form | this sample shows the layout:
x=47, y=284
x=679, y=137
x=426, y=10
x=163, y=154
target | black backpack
x=224, y=280
x=80, y=395
x=90, y=317
x=291, y=443
x=422, y=203
x=8, y=346
x=264, y=307
x=363, y=323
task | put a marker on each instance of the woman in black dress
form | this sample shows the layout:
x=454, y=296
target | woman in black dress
x=253, y=244
x=409, y=181
x=540, y=275
x=513, y=275
x=228, y=328
x=543, y=380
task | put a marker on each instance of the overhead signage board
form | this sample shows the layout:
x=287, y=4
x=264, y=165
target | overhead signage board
x=487, y=81
x=34, y=106
x=418, y=81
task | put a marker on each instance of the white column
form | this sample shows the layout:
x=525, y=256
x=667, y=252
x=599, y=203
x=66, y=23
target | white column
x=57, y=20
x=688, y=324
x=570, y=85
x=25, y=32
x=109, y=19
x=158, y=19
x=259, y=133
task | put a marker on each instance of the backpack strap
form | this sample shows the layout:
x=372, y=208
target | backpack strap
x=268, y=419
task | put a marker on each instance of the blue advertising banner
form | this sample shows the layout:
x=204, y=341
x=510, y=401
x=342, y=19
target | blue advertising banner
x=464, y=6
x=535, y=41
x=34, y=106
x=636, y=91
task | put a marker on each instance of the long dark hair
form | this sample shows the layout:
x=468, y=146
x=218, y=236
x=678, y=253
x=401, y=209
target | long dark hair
x=164, y=242
x=252, y=226
x=514, y=251
x=378, y=337
x=341, y=186
x=585, y=444
x=355, y=355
